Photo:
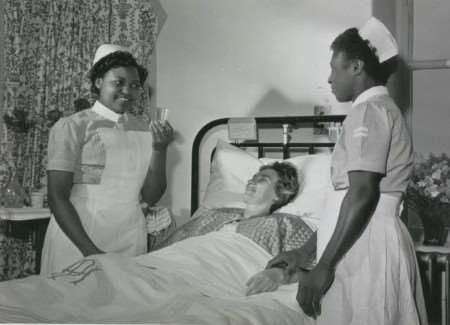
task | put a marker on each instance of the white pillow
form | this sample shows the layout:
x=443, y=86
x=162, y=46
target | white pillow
x=230, y=170
x=314, y=171
x=232, y=167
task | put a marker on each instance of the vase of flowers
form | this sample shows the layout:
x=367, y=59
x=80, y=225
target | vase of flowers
x=428, y=194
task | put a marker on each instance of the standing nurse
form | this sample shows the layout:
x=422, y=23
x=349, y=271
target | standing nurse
x=366, y=271
x=101, y=162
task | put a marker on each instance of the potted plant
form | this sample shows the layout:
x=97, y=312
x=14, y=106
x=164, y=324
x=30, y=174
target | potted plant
x=428, y=194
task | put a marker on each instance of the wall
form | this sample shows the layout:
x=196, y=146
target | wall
x=242, y=58
x=431, y=96
x=394, y=14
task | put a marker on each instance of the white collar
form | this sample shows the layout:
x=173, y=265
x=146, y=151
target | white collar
x=105, y=112
x=367, y=94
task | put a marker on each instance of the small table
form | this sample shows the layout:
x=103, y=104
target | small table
x=27, y=223
x=434, y=262
x=24, y=214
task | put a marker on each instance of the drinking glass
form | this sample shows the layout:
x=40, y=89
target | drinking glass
x=159, y=114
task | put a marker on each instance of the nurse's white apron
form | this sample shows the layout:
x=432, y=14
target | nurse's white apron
x=377, y=282
x=110, y=211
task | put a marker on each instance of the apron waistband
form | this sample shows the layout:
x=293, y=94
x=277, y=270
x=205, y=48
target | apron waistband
x=388, y=205
x=117, y=193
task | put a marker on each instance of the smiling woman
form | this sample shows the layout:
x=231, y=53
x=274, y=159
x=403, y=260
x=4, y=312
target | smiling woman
x=101, y=162
x=260, y=192
x=271, y=188
x=117, y=78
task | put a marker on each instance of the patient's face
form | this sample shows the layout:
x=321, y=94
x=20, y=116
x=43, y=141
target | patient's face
x=260, y=189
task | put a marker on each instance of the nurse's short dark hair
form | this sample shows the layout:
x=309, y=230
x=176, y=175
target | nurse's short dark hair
x=355, y=47
x=288, y=183
x=115, y=60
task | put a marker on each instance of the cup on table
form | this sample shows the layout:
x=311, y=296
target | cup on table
x=37, y=199
x=159, y=114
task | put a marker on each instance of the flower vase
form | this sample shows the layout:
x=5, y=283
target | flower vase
x=13, y=194
x=434, y=227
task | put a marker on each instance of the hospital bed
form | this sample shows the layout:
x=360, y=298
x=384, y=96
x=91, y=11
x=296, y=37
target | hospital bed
x=200, y=280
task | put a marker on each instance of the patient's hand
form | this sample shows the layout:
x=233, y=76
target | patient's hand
x=266, y=280
x=291, y=261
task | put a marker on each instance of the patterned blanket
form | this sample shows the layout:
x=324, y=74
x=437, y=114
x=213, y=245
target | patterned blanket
x=275, y=233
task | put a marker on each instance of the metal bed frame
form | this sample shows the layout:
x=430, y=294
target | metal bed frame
x=284, y=123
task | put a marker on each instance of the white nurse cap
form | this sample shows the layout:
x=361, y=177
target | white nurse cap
x=106, y=49
x=380, y=38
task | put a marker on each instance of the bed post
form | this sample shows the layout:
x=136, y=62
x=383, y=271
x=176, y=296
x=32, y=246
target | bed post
x=195, y=176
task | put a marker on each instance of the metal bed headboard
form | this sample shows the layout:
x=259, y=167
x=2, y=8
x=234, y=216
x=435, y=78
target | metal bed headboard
x=284, y=123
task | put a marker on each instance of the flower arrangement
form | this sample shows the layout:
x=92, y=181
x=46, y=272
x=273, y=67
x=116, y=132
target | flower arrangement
x=431, y=178
x=18, y=121
x=21, y=122
x=428, y=194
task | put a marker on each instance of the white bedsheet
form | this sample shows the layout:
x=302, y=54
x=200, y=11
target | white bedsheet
x=196, y=281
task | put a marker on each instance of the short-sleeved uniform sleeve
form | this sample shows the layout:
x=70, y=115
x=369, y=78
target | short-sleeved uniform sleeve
x=64, y=146
x=367, y=138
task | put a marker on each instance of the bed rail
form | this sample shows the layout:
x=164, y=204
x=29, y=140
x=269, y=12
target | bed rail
x=271, y=122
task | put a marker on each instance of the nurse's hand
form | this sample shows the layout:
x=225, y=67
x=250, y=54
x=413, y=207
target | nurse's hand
x=162, y=134
x=312, y=286
x=266, y=280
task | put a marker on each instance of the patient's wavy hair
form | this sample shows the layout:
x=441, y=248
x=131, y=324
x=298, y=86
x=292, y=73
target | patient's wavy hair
x=356, y=48
x=115, y=60
x=288, y=183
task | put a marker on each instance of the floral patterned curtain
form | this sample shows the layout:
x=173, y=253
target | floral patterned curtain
x=48, y=48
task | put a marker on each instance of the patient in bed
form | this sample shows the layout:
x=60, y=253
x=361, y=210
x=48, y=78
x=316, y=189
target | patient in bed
x=202, y=279
x=272, y=187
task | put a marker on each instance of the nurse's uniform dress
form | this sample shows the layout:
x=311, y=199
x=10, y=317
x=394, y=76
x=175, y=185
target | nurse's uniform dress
x=377, y=281
x=109, y=155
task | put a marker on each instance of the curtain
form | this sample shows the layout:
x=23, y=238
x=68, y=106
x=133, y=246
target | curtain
x=48, y=48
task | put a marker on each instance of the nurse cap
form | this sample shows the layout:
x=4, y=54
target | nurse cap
x=106, y=49
x=380, y=38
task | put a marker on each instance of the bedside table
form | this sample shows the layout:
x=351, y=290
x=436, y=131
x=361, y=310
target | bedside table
x=22, y=232
x=434, y=264
x=24, y=214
